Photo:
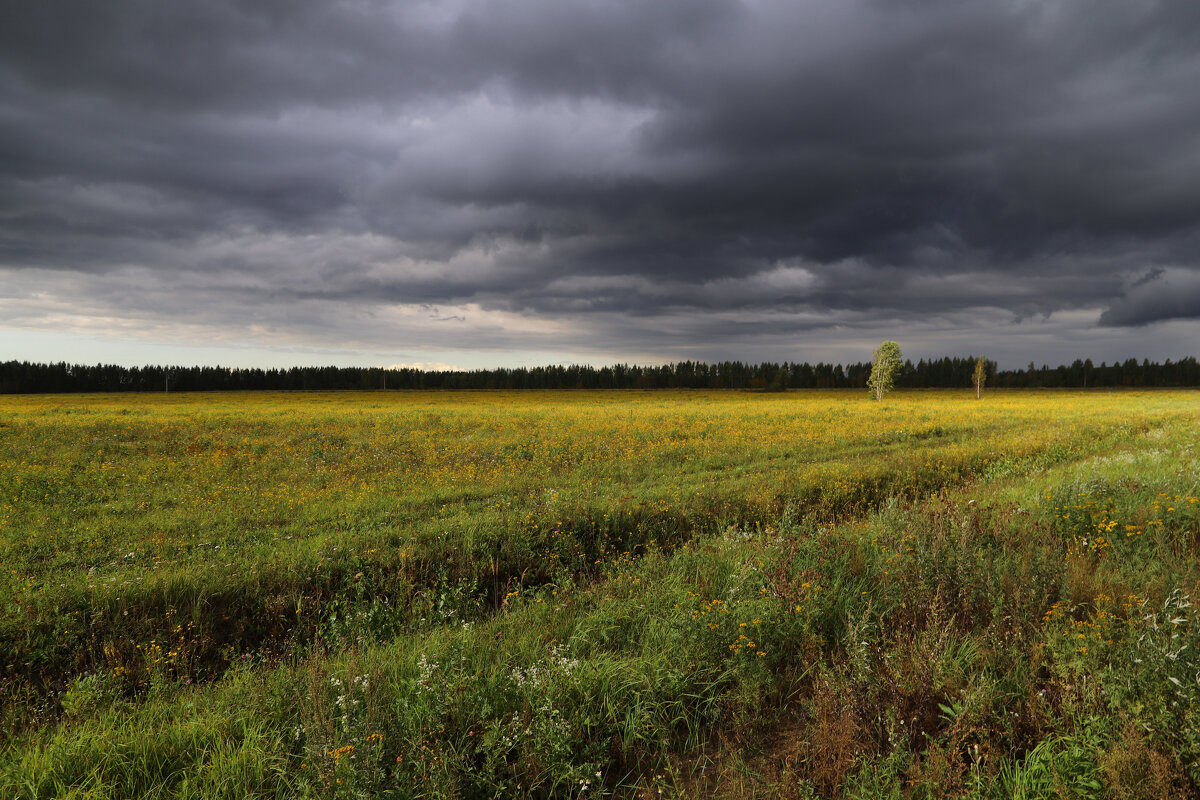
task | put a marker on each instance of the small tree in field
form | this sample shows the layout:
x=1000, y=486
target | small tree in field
x=980, y=375
x=884, y=368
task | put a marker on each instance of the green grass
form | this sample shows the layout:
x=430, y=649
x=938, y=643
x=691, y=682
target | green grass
x=707, y=594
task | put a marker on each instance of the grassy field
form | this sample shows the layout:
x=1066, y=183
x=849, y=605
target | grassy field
x=625, y=594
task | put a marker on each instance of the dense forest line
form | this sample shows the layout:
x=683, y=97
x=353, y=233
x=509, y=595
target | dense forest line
x=949, y=372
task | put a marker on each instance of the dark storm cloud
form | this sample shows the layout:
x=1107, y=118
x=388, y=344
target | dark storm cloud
x=695, y=165
x=1161, y=295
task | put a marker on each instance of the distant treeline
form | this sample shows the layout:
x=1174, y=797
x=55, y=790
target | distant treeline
x=26, y=377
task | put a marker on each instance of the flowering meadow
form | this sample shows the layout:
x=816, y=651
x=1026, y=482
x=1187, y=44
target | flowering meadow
x=612, y=594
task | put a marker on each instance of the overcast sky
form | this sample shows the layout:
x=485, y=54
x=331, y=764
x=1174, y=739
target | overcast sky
x=476, y=183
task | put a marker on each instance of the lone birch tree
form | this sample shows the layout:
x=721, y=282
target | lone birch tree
x=884, y=368
x=980, y=375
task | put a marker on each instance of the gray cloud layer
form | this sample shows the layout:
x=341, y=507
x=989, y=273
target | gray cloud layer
x=605, y=174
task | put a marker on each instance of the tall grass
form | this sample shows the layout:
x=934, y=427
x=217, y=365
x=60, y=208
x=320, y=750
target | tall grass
x=801, y=599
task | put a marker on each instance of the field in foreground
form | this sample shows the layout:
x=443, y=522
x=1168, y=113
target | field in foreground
x=613, y=594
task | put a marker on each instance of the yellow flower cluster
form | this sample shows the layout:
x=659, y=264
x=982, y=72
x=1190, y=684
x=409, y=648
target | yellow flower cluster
x=341, y=752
